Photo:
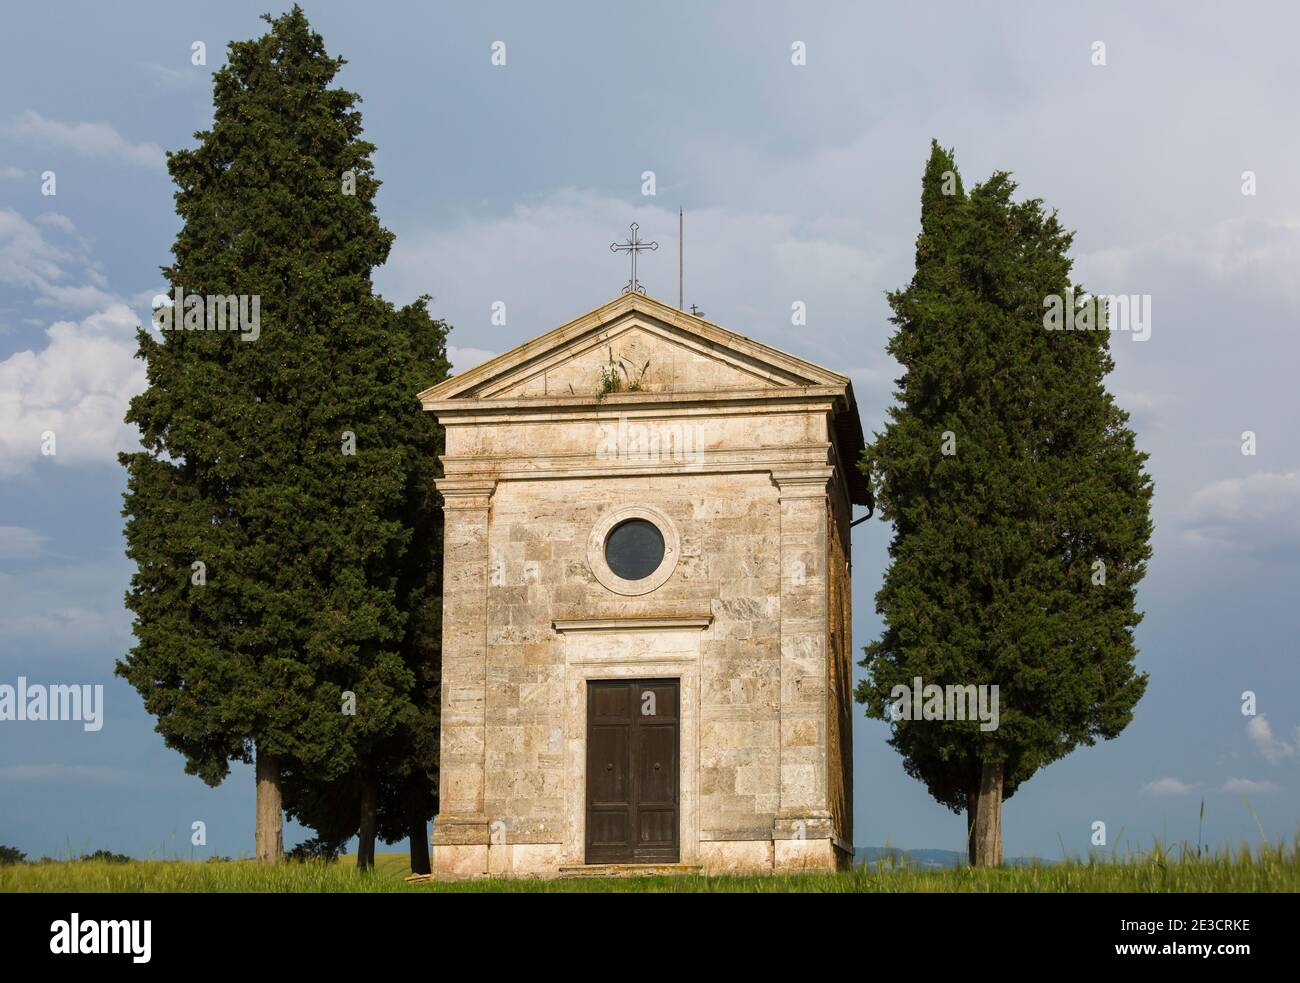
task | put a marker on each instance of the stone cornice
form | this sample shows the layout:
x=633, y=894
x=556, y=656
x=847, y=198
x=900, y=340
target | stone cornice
x=465, y=492
x=782, y=383
x=803, y=482
x=523, y=408
x=696, y=622
x=526, y=357
x=471, y=470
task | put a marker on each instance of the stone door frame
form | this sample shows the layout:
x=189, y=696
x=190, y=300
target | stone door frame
x=631, y=648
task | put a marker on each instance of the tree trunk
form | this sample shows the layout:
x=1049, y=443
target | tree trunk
x=366, y=833
x=988, y=817
x=419, y=837
x=269, y=836
x=972, y=818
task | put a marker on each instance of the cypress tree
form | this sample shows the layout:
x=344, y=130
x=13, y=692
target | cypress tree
x=280, y=512
x=393, y=790
x=1019, y=502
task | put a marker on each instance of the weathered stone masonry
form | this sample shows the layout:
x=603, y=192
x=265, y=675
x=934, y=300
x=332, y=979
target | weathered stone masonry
x=743, y=457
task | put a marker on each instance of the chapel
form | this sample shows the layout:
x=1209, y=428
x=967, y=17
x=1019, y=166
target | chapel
x=646, y=657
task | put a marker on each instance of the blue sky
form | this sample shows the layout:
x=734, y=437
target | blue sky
x=800, y=183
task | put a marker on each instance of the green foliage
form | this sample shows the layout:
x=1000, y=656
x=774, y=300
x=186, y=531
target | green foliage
x=609, y=380
x=991, y=573
x=316, y=850
x=10, y=855
x=321, y=566
x=1267, y=868
x=612, y=382
x=106, y=857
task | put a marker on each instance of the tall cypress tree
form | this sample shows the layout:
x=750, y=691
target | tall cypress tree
x=281, y=513
x=393, y=790
x=1019, y=502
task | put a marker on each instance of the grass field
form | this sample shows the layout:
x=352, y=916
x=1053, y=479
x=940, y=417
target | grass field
x=1262, y=869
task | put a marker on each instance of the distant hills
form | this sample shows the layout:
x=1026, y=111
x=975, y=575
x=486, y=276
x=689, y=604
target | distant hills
x=933, y=859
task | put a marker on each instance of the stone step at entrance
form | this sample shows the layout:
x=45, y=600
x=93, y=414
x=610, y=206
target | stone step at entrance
x=630, y=870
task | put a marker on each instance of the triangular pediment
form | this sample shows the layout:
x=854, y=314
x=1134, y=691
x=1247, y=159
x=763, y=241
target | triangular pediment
x=650, y=347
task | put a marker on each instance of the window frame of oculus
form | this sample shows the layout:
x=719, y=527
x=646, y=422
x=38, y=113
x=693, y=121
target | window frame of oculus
x=608, y=524
x=634, y=549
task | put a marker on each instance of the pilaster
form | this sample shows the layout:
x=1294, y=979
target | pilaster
x=803, y=830
x=460, y=832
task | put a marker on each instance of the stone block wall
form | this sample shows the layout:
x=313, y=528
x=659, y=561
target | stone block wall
x=737, y=450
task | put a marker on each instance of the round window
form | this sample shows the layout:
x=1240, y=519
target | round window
x=634, y=549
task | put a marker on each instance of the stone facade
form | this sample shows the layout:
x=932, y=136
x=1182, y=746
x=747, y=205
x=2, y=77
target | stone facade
x=744, y=458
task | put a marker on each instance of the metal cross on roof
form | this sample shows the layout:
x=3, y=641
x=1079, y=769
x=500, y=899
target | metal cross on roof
x=633, y=245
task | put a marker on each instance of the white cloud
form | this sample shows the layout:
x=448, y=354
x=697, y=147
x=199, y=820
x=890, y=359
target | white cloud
x=31, y=259
x=147, y=298
x=1246, y=786
x=98, y=140
x=165, y=77
x=871, y=380
x=1258, y=514
x=1142, y=407
x=19, y=541
x=27, y=257
x=466, y=358
x=1273, y=749
x=69, y=615
x=1167, y=787
x=80, y=298
x=549, y=261
x=1230, y=249
x=57, y=220
x=77, y=387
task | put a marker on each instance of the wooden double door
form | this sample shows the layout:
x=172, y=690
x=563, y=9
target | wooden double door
x=633, y=742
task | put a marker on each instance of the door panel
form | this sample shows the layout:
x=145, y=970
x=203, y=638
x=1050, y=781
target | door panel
x=656, y=764
x=633, y=750
x=611, y=702
x=611, y=783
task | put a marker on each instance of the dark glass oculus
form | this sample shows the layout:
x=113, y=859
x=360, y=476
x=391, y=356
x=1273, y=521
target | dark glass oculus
x=634, y=549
